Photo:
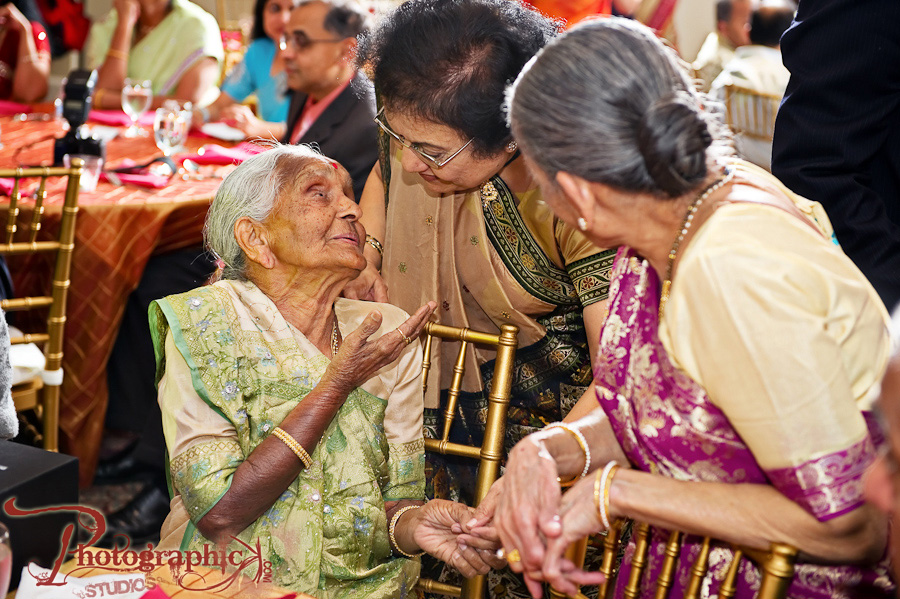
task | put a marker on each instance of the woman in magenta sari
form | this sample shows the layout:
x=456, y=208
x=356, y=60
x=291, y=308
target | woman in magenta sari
x=742, y=349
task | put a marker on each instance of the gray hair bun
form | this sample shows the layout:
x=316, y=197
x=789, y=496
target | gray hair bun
x=672, y=138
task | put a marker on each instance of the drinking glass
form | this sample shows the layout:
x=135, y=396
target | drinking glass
x=5, y=560
x=171, y=126
x=136, y=99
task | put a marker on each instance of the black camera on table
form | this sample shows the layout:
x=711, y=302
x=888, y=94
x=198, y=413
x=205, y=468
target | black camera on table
x=76, y=99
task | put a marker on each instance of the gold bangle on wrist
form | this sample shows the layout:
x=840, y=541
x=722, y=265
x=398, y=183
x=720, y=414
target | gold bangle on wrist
x=582, y=443
x=293, y=445
x=601, y=488
x=393, y=526
x=375, y=244
x=113, y=53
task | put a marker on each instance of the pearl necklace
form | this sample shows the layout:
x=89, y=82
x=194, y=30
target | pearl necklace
x=334, y=338
x=685, y=227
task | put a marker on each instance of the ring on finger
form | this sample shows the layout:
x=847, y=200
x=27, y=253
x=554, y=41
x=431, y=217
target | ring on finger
x=406, y=339
x=513, y=557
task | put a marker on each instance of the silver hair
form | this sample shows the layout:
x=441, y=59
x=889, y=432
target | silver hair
x=609, y=102
x=249, y=190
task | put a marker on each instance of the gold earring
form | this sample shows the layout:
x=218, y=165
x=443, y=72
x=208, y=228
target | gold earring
x=512, y=146
x=582, y=224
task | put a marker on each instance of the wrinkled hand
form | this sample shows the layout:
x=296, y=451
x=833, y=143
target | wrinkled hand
x=527, y=510
x=359, y=357
x=579, y=518
x=128, y=10
x=12, y=18
x=242, y=118
x=434, y=534
x=368, y=286
x=481, y=524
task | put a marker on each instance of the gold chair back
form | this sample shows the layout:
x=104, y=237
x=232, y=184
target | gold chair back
x=776, y=566
x=490, y=454
x=751, y=113
x=42, y=393
x=751, y=116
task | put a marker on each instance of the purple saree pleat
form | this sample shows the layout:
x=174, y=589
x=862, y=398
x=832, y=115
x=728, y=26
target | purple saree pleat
x=667, y=425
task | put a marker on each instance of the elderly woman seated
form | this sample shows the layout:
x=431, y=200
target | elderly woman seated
x=293, y=418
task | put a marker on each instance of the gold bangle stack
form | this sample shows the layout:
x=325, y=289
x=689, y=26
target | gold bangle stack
x=293, y=445
x=582, y=443
x=113, y=53
x=602, y=483
x=393, y=525
x=375, y=244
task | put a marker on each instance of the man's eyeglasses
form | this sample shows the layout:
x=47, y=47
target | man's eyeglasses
x=435, y=161
x=300, y=41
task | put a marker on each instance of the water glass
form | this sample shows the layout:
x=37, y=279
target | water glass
x=5, y=560
x=136, y=99
x=90, y=174
x=171, y=126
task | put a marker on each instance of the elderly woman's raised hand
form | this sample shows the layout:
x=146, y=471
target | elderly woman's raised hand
x=360, y=357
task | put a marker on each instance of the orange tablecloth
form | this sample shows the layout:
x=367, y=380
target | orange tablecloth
x=117, y=231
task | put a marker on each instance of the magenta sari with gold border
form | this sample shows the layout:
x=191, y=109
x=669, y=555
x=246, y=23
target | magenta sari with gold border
x=667, y=425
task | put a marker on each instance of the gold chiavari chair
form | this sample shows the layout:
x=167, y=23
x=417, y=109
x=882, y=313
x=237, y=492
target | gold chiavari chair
x=41, y=394
x=490, y=454
x=751, y=116
x=776, y=566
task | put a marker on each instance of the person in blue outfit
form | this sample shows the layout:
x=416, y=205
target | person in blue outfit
x=261, y=73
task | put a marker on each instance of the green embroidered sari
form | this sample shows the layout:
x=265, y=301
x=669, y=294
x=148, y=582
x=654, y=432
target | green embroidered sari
x=326, y=535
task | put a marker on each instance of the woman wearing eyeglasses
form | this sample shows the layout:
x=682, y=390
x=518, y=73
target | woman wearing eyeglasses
x=460, y=221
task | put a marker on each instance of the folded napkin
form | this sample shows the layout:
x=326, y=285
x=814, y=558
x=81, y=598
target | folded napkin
x=215, y=154
x=117, y=118
x=120, y=586
x=141, y=180
x=8, y=108
x=6, y=186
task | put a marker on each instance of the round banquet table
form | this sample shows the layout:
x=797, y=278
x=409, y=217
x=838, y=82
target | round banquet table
x=117, y=231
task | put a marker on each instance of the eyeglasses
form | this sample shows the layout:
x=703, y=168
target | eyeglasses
x=435, y=161
x=300, y=41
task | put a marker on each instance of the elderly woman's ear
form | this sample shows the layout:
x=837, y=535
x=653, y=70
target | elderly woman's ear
x=579, y=194
x=253, y=238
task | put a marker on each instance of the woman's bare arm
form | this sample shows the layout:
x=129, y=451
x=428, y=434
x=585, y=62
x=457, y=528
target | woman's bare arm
x=32, y=67
x=272, y=466
x=369, y=285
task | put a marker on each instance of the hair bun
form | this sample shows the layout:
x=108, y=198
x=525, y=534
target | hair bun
x=672, y=138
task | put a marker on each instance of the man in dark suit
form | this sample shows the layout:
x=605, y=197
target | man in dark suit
x=333, y=105
x=837, y=135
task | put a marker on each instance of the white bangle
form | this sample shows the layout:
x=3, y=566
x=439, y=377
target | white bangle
x=605, y=480
x=582, y=442
x=393, y=525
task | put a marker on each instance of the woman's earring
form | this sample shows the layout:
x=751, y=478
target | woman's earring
x=582, y=224
x=512, y=146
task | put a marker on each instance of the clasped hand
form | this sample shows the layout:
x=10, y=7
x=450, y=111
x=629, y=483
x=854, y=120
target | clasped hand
x=533, y=517
x=439, y=532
